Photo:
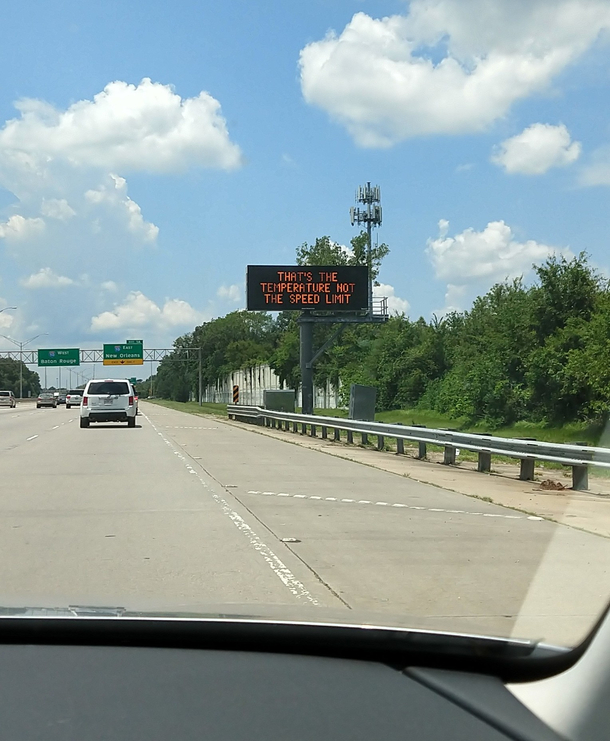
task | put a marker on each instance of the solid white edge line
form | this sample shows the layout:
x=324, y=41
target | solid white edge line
x=296, y=587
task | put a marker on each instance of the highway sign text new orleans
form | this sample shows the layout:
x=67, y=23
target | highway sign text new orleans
x=126, y=354
x=65, y=356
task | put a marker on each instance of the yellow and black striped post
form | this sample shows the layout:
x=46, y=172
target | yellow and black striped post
x=235, y=394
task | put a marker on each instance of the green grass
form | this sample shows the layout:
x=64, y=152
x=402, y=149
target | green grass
x=191, y=406
x=569, y=433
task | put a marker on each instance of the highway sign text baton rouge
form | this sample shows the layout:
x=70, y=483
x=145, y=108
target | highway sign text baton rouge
x=65, y=356
x=298, y=287
x=126, y=354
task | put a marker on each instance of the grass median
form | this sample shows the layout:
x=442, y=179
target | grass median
x=192, y=407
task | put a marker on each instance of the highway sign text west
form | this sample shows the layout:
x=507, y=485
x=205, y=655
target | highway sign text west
x=65, y=356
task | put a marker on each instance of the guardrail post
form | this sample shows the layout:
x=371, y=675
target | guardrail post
x=526, y=472
x=580, y=478
x=312, y=432
x=449, y=455
x=364, y=438
x=324, y=433
x=380, y=442
x=484, y=463
x=295, y=426
x=422, y=449
x=400, y=446
x=303, y=428
x=350, y=436
x=337, y=434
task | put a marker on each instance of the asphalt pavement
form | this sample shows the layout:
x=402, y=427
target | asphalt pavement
x=192, y=513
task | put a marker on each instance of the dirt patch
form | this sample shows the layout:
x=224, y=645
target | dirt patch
x=550, y=485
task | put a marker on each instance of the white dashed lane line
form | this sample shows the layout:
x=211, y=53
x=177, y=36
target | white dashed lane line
x=397, y=505
x=183, y=427
x=32, y=438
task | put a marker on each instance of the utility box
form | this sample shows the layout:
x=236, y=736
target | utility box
x=362, y=402
x=279, y=401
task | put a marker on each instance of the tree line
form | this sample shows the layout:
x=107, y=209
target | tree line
x=9, y=378
x=538, y=352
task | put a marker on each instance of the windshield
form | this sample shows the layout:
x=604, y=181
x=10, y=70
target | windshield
x=108, y=387
x=335, y=279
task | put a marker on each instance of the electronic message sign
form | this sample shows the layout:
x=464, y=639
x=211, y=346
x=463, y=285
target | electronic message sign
x=299, y=287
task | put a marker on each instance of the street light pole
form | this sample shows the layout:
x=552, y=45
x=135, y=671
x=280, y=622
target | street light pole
x=21, y=345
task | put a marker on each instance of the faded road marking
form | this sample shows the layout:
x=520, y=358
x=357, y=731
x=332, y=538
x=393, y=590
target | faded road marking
x=398, y=505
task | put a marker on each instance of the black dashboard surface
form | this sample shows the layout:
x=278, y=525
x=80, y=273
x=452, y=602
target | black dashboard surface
x=128, y=693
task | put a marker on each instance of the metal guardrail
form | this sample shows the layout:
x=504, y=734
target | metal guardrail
x=578, y=457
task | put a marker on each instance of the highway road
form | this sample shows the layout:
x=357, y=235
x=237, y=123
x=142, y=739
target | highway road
x=189, y=512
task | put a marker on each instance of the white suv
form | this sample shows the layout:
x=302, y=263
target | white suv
x=7, y=399
x=111, y=400
x=74, y=398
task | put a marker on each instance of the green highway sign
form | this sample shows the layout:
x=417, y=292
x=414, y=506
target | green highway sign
x=65, y=356
x=131, y=353
x=135, y=342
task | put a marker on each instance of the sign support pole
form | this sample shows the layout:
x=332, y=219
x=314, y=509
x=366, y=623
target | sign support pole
x=200, y=379
x=306, y=337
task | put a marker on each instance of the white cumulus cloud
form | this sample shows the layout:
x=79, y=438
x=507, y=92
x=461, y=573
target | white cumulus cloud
x=396, y=305
x=46, y=278
x=57, y=208
x=114, y=195
x=473, y=261
x=66, y=167
x=146, y=127
x=446, y=66
x=139, y=312
x=536, y=149
x=232, y=293
x=20, y=228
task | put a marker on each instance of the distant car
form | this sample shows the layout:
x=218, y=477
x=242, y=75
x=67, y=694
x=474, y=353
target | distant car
x=46, y=399
x=111, y=400
x=61, y=397
x=74, y=398
x=7, y=399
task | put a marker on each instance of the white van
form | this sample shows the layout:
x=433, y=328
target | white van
x=111, y=400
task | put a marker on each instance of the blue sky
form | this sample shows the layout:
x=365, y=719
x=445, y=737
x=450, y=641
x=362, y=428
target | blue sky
x=131, y=208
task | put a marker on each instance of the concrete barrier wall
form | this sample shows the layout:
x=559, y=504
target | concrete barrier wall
x=253, y=381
